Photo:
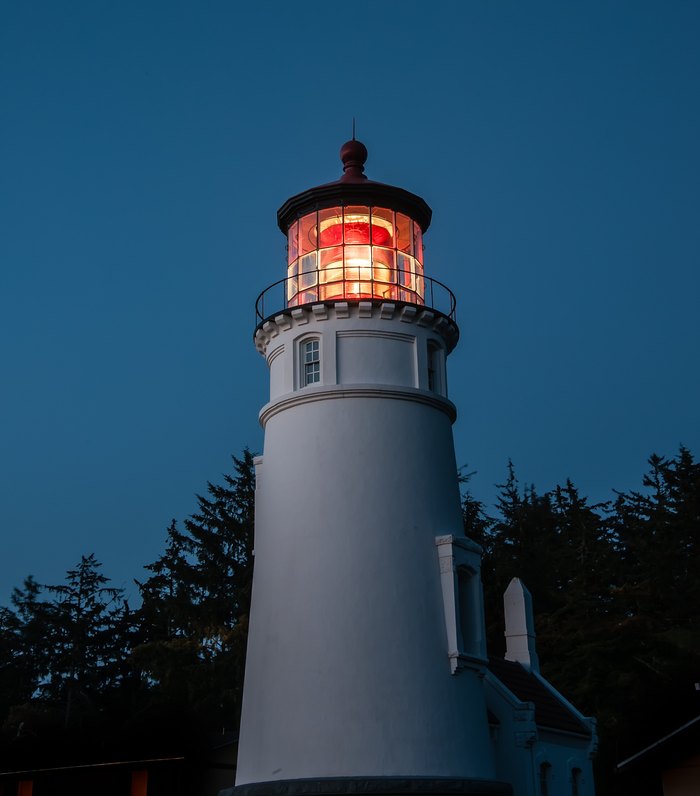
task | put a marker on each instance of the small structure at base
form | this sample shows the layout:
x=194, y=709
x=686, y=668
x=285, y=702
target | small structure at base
x=543, y=745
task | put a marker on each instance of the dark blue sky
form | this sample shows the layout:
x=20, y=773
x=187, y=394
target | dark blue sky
x=145, y=149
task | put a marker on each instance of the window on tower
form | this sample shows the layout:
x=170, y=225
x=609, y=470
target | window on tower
x=432, y=367
x=436, y=368
x=311, y=362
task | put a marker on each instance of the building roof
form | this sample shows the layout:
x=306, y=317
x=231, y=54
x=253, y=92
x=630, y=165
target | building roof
x=550, y=711
x=682, y=741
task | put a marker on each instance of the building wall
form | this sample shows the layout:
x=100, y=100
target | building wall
x=522, y=749
x=684, y=779
x=359, y=344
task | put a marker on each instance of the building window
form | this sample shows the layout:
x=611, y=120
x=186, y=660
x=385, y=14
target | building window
x=576, y=782
x=311, y=362
x=466, y=609
x=545, y=778
x=139, y=783
x=436, y=370
x=432, y=367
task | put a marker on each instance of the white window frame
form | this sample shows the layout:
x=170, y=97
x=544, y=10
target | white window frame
x=309, y=361
x=460, y=577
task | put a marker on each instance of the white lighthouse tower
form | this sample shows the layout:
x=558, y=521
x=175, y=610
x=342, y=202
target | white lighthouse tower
x=366, y=652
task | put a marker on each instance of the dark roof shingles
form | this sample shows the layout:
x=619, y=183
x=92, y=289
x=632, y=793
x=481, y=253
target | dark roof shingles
x=549, y=711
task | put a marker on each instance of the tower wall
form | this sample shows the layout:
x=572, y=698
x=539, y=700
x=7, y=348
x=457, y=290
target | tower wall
x=348, y=673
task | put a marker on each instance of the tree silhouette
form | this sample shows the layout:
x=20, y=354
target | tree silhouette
x=615, y=589
x=196, y=602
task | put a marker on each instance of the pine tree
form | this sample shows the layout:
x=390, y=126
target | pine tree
x=25, y=658
x=575, y=642
x=81, y=632
x=656, y=598
x=477, y=524
x=196, y=602
x=520, y=541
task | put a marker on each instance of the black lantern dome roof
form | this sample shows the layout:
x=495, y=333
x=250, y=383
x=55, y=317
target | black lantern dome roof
x=354, y=188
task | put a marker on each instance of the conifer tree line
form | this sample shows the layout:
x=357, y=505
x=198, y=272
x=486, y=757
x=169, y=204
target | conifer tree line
x=615, y=588
x=84, y=676
x=616, y=592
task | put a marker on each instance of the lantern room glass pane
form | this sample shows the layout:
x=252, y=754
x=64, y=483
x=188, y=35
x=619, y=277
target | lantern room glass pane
x=417, y=242
x=358, y=272
x=293, y=242
x=308, y=274
x=358, y=264
x=330, y=227
x=332, y=291
x=307, y=297
x=292, y=283
x=308, y=263
x=356, y=225
x=405, y=268
x=384, y=265
x=307, y=280
x=382, y=226
x=404, y=237
x=384, y=270
x=307, y=233
x=331, y=265
x=420, y=288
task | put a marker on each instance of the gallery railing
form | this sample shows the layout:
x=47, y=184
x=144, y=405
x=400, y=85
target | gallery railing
x=411, y=288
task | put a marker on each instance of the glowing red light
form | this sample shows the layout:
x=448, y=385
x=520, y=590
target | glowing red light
x=356, y=232
x=355, y=252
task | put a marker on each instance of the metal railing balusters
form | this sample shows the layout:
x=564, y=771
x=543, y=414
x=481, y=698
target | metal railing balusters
x=431, y=288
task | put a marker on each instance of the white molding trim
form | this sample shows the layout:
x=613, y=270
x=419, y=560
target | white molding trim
x=332, y=391
x=298, y=316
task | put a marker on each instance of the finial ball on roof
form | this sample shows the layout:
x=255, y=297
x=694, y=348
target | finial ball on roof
x=353, y=154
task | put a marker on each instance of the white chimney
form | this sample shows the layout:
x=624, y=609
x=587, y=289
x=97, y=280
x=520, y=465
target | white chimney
x=520, y=626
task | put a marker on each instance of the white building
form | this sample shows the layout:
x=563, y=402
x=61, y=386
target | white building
x=367, y=668
x=543, y=745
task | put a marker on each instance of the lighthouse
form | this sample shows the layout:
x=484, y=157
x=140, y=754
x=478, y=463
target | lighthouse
x=366, y=652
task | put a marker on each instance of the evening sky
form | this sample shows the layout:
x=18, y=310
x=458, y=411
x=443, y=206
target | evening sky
x=146, y=146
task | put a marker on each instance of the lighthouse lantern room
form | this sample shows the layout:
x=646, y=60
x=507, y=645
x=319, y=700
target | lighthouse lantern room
x=355, y=252
x=366, y=652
